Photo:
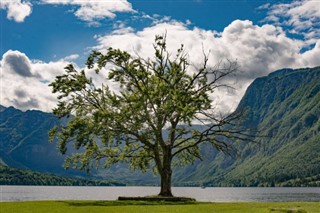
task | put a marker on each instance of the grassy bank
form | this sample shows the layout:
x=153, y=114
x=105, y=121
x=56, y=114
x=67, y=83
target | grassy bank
x=135, y=206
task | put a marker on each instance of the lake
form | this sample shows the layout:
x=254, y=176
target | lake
x=212, y=194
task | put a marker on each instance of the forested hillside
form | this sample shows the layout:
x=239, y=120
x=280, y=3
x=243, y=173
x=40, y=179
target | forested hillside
x=12, y=176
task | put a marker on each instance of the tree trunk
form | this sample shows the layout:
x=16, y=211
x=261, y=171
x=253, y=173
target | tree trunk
x=166, y=174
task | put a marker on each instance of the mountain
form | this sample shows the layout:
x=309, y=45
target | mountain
x=2, y=108
x=24, y=140
x=24, y=145
x=285, y=109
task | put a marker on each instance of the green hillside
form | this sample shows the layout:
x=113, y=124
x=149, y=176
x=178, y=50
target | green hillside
x=24, y=140
x=287, y=111
x=24, y=145
x=285, y=108
x=12, y=176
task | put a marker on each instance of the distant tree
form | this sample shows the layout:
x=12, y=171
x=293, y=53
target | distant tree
x=148, y=123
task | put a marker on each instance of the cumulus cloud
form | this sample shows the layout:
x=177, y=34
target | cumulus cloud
x=258, y=50
x=17, y=10
x=18, y=63
x=92, y=10
x=301, y=16
x=24, y=82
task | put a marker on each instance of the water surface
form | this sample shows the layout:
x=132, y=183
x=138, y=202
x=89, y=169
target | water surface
x=211, y=194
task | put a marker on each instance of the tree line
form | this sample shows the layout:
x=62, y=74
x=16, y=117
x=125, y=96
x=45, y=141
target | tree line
x=12, y=176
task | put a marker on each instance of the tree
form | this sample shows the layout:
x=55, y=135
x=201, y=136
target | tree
x=148, y=123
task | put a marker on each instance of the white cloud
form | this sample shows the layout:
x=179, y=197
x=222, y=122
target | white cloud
x=264, y=6
x=301, y=16
x=24, y=82
x=17, y=63
x=259, y=50
x=92, y=11
x=71, y=57
x=17, y=10
x=311, y=57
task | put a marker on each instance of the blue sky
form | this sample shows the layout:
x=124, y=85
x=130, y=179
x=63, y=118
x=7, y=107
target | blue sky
x=52, y=31
x=38, y=38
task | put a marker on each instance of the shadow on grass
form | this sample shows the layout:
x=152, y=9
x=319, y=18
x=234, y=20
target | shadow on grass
x=291, y=210
x=123, y=203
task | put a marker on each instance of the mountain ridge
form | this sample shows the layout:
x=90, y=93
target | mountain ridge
x=284, y=106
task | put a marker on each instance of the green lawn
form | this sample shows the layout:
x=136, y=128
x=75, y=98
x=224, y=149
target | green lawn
x=149, y=207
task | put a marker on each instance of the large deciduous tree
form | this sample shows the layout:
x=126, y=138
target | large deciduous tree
x=148, y=122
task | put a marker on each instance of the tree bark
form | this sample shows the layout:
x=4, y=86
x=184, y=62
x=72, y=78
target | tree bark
x=166, y=174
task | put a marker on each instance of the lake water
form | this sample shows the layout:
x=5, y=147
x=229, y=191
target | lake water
x=212, y=194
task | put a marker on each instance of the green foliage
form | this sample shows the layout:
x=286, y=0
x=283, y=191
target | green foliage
x=12, y=176
x=128, y=125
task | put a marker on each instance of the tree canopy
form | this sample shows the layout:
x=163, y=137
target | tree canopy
x=148, y=122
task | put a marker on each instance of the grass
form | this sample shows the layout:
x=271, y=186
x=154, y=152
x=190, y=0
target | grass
x=150, y=207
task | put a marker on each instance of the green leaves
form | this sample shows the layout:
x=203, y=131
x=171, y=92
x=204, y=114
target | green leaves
x=156, y=93
x=52, y=133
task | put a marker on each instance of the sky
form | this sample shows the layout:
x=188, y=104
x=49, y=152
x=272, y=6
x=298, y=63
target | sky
x=38, y=38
